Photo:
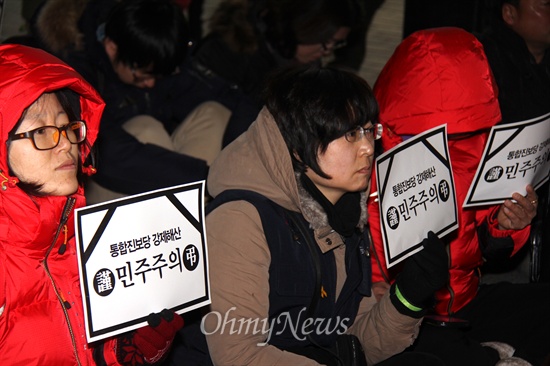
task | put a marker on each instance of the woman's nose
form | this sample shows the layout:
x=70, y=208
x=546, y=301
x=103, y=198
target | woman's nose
x=367, y=145
x=64, y=142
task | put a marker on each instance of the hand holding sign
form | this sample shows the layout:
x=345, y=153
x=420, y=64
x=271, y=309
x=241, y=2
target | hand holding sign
x=423, y=274
x=516, y=154
x=143, y=244
x=415, y=195
x=517, y=215
x=147, y=345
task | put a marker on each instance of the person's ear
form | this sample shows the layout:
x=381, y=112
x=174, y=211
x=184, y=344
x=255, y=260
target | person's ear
x=110, y=48
x=509, y=14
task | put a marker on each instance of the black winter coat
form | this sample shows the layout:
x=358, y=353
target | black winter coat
x=524, y=86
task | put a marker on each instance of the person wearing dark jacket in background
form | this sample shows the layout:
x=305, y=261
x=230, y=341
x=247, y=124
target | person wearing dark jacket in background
x=162, y=126
x=247, y=40
x=517, y=45
x=354, y=52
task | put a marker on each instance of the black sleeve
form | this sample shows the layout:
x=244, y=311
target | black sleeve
x=128, y=166
x=494, y=249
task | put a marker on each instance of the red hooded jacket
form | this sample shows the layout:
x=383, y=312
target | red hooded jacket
x=36, y=328
x=439, y=76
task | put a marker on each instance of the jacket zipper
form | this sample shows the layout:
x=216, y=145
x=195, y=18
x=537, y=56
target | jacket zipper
x=62, y=226
x=449, y=287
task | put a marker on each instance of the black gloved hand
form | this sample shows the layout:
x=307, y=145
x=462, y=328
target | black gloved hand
x=423, y=274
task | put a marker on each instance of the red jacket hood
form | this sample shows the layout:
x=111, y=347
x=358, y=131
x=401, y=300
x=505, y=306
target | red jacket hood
x=27, y=73
x=428, y=82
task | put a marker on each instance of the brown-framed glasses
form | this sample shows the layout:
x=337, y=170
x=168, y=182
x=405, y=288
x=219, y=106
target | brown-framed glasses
x=48, y=137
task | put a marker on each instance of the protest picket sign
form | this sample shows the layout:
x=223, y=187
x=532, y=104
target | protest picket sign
x=140, y=254
x=516, y=154
x=416, y=193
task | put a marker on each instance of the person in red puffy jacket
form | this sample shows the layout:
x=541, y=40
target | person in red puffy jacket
x=49, y=119
x=441, y=76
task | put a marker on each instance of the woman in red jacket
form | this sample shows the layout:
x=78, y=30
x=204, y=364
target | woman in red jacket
x=49, y=118
x=441, y=76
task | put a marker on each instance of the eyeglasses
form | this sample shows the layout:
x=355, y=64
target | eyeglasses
x=334, y=44
x=140, y=76
x=48, y=137
x=372, y=133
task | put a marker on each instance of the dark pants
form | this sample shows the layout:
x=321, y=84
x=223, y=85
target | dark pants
x=326, y=357
x=516, y=314
x=412, y=359
x=402, y=359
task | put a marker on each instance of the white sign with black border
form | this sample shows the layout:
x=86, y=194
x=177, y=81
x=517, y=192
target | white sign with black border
x=416, y=193
x=516, y=154
x=140, y=254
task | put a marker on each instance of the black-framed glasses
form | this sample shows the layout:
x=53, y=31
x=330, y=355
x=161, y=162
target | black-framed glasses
x=372, y=133
x=140, y=76
x=48, y=137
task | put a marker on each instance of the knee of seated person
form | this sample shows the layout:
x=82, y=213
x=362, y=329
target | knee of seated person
x=212, y=108
x=141, y=124
x=148, y=130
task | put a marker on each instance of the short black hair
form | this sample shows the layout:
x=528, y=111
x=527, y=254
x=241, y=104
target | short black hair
x=149, y=33
x=314, y=105
x=513, y=2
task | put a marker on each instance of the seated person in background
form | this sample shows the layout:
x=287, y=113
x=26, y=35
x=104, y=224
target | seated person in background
x=354, y=52
x=440, y=76
x=49, y=120
x=161, y=126
x=517, y=45
x=249, y=39
x=287, y=232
